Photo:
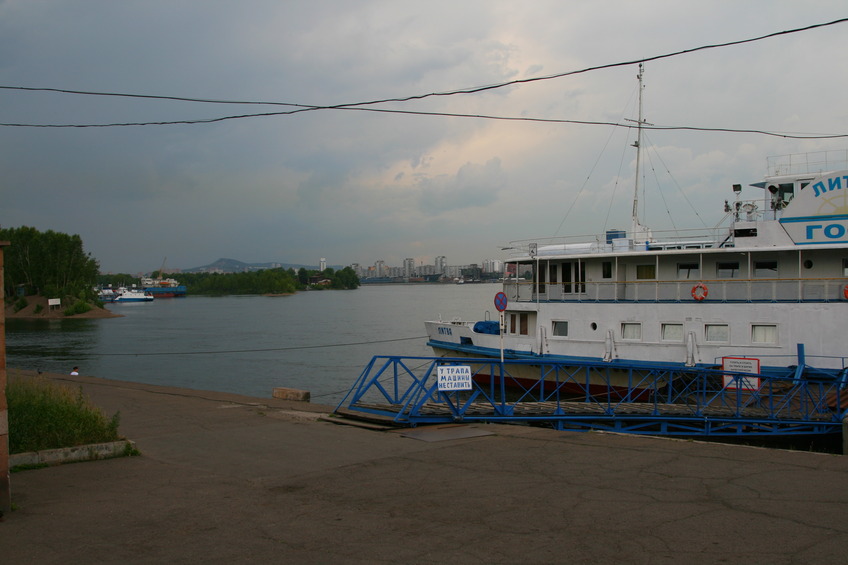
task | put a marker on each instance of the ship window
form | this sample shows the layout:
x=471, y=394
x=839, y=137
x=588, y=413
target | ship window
x=672, y=332
x=631, y=330
x=727, y=270
x=606, y=269
x=560, y=329
x=574, y=277
x=745, y=232
x=845, y=267
x=717, y=333
x=518, y=324
x=765, y=269
x=763, y=333
x=541, y=282
x=688, y=271
x=646, y=271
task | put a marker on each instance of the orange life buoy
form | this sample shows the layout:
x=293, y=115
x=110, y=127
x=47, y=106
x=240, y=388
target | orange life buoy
x=700, y=291
x=845, y=291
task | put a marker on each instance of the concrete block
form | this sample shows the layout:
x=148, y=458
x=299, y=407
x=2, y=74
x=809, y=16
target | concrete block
x=71, y=454
x=28, y=458
x=291, y=394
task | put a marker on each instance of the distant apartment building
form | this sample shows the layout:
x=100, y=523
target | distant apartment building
x=440, y=264
x=492, y=266
x=408, y=267
x=424, y=270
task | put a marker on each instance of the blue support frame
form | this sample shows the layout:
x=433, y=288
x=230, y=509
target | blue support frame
x=582, y=396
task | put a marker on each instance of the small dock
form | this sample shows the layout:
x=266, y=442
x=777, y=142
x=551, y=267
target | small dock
x=582, y=397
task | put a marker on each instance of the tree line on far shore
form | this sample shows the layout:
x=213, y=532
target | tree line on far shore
x=265, y=281
x=55, y=265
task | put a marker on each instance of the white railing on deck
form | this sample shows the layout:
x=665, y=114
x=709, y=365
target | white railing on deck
x=602, y=243
x=803, y=163
x=719, y=290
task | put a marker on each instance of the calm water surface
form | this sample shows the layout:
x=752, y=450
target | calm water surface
x=316, y=341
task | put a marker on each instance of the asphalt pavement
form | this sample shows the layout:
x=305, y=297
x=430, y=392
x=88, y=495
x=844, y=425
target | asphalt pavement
x=224, y=478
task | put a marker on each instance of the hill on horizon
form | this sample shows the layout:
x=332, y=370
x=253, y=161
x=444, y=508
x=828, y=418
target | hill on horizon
x=235, y=266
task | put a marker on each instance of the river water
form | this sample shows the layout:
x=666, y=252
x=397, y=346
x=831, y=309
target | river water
x=318, y=341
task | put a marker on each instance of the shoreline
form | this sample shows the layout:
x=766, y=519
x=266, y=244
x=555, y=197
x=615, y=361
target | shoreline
x=55, y=313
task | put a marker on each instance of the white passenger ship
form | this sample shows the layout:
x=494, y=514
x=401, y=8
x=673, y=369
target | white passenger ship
x=770, y=288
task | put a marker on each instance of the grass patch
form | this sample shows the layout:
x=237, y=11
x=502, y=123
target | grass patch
x=44, y=415
x=79, y=307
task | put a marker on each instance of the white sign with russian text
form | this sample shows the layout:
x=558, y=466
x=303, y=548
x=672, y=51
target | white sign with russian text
x=741, y=365
x=454, y=377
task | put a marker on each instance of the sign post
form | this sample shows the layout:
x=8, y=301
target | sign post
x=500, y=304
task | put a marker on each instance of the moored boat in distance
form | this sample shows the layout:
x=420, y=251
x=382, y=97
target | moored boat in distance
x=133, y=295
x=123, y=294
x=766, y=293
x=163, y=288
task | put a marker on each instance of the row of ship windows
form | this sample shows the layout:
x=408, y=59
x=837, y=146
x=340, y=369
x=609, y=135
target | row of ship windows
x=673, y=332
x=518, y=324
x=723, y=270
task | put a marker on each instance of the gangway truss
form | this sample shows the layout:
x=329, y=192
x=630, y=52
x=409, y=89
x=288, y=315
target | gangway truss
x=582, y=396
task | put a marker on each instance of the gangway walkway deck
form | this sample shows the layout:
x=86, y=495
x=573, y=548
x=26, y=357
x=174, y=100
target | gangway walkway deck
x=586, y=396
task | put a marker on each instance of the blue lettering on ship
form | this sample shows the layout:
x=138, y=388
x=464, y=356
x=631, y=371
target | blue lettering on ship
x=830, y=231
x=445, y=331
x=834, y=183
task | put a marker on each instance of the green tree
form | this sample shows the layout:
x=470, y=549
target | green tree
x=266, y=281
x=48, y=263
x=346, y=278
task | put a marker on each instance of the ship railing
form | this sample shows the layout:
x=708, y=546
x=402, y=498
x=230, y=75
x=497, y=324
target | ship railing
x=616, y=241
x=807, y=163
x=582, y=396
x=717, y=290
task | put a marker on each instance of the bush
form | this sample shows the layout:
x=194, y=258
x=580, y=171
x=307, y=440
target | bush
x=43, y=415
x=79, y=307
x=20, y=304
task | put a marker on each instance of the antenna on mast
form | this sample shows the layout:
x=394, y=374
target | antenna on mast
x=639, y=232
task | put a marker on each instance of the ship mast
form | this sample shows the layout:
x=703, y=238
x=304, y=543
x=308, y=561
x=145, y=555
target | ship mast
x=638, y=231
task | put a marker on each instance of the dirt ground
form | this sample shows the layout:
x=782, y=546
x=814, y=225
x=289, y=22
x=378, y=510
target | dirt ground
x=56, y=312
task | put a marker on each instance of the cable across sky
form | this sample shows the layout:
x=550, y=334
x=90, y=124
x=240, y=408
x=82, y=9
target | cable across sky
x=366, y=105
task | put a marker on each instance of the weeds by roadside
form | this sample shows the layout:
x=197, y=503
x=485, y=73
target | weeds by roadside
x=44, y=415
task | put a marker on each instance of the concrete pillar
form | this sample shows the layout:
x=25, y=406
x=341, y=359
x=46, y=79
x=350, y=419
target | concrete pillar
x=5, y=488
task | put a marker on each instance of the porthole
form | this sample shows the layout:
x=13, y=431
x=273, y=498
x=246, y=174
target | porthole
x=808, y=264
x=594, y=326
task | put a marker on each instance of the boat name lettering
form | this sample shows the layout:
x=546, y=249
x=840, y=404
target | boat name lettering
x=833, y=183
x=830, y=231
x=445, y=331
x=454, y=377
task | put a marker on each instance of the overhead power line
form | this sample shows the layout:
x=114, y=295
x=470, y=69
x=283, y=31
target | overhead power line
x=261, y=350
x=360, y=106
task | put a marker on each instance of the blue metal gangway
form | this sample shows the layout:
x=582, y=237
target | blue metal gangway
x=585, y=395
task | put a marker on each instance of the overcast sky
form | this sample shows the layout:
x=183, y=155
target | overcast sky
x=357, y=187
